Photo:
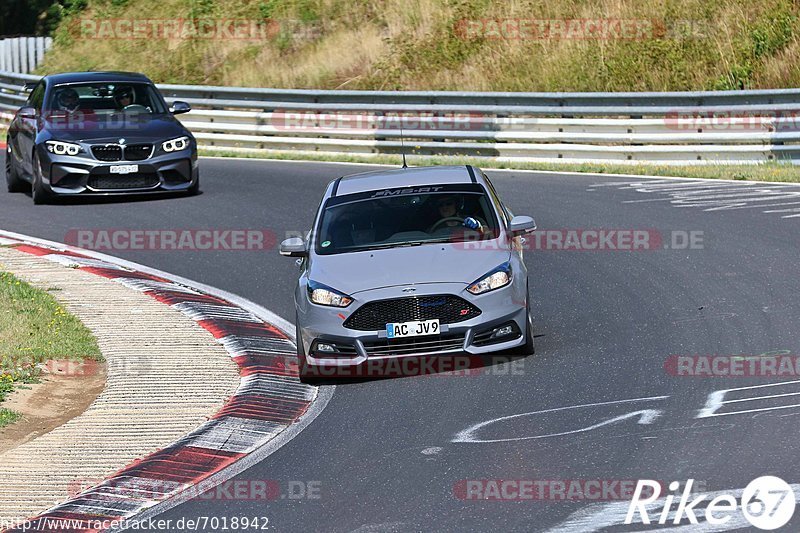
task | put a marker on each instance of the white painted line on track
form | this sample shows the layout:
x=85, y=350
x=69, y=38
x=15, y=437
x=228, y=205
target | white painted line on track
x=645, y=416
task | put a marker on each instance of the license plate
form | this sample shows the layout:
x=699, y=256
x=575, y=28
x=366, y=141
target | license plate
x=124, y=169
x=414, y=328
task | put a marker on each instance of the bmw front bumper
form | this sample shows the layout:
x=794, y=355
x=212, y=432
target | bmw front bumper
x=84, y=175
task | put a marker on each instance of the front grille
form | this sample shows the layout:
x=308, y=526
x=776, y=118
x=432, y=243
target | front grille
x=374, y=316
x=415, y=345
x=138, y=152
x=131, y=181
x=107, y=152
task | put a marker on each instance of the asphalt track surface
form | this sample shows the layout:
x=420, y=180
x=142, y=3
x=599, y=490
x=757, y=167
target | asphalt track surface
x=381, y=456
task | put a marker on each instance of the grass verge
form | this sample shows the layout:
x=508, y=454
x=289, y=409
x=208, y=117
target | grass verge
x=773, y=171
x=35, y=328
x=7, y=417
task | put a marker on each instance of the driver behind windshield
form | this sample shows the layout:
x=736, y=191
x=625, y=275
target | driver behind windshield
x=450, y=210
x=68, y=100
x=123, y=97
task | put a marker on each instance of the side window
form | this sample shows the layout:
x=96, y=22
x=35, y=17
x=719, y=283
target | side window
x=496, y=200
x=36, y=99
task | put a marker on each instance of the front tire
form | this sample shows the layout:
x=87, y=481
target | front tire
x=307, y=376
x=528, y=348
x=39, y=193
x=13, y=181
x=194, y=190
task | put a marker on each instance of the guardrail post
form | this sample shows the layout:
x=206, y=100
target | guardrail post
x=23, y=55
x=31, y=53
x=14, y=55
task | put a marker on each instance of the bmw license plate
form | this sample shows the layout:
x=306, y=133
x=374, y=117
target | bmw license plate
x=414, y=328
x=124, y=169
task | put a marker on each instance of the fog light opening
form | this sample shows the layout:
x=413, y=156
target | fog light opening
x=502, y=333
x=332, y=349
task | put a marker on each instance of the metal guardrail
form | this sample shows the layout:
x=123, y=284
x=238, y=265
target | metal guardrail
x=23, y=54
x=666, y=128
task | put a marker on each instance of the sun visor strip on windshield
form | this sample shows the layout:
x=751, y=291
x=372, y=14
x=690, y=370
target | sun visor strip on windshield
x=470, y=188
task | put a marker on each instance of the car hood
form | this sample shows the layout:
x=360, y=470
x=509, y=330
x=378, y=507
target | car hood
x=429, y=263
x=102, y=128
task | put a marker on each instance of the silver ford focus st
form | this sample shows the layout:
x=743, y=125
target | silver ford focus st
x=410, y=262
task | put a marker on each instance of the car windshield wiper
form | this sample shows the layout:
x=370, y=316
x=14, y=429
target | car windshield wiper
x=402, y=244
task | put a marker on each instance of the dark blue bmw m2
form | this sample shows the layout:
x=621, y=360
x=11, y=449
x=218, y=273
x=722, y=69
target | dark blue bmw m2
x=99, y=133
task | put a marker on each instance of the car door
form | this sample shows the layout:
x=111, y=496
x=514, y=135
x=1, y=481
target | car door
x=27, y=128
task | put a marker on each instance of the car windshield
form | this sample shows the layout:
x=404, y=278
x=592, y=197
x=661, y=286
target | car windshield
x=106, y=98
x=393, y=218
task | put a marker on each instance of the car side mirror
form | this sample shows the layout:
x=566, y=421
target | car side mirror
x=521, y=224
x=179, y=107
x=27, y=112
x=294, y=247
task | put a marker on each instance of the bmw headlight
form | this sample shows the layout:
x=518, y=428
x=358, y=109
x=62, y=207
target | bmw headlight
x=175, y=145
x=62, y=148
x=324, y=295
x=499, y=277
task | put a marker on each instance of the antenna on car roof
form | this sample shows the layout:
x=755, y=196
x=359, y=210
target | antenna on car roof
x=403, y=147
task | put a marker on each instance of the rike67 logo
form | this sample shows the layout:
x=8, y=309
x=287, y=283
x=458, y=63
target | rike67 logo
x=767, y=503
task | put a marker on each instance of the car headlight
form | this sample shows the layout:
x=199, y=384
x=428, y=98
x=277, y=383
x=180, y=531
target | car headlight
x=62, y=148
x=175, y=145
x=494, y=279
x=324, y=295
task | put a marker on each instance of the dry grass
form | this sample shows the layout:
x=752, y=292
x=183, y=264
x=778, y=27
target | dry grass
x=414, y=44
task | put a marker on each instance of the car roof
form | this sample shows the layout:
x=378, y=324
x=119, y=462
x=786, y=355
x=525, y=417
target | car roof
x=405, y=177
x=100, y=77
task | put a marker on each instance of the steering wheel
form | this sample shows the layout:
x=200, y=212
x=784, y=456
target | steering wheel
x=448, y=219
x=134, y=108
